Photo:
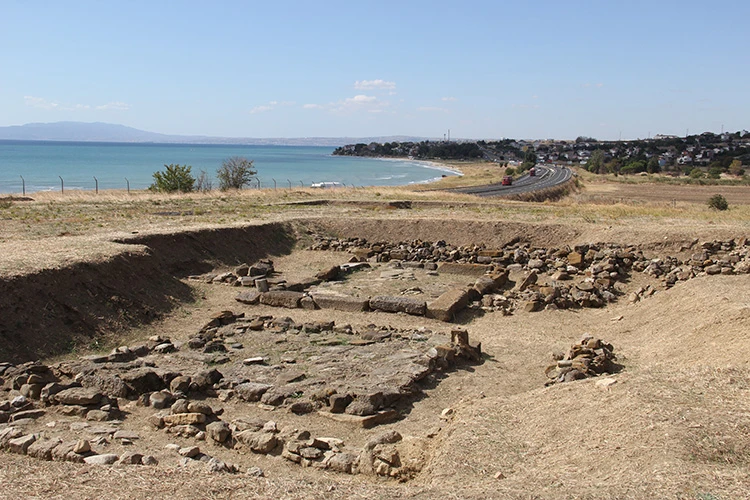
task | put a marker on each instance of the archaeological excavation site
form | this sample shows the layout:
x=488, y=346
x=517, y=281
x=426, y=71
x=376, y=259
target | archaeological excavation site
x=395, y=357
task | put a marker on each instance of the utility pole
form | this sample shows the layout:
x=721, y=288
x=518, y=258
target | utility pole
x=449, y=135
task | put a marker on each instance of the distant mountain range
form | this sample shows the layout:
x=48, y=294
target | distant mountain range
x=109, y=132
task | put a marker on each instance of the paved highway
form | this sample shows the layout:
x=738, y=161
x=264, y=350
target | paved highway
x=547, y=176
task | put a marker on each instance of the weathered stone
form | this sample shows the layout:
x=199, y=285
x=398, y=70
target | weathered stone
x=329, y=274
x=180, y=384
x=97, y=415
x=149, y=460
x=130, y=458
x=526, y=281
x=106, y=459
x=160, y=400
x=43, y=448
x=301, y=407
x=251, y=391
x=387, y=437
x=259, y=442
x=206, y=379
x=343, y=462
x=251, y=297
x=81, y=447
x=32, y=414
x=340, y=301
x=445, y=307
x=394, y=304
x=142, y=380
x=78, y=396
x=575, y=259
x=339, y=402
x=189, y=451
x=180, y=406
x=184, y=419
x=21, y=444
x=126, y=434
x=218, y=431
x=199, y=407
x=366, y=404
x=281, y=298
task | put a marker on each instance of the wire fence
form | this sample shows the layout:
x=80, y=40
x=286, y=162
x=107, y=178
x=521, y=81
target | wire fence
x=23, y=186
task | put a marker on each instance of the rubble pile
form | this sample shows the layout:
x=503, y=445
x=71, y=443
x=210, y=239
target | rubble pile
x=588, y=358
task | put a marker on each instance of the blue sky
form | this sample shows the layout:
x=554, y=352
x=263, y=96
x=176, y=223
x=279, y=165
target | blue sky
x=483, y=69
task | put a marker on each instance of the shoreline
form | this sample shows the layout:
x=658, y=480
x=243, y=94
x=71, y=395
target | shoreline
x=430, y=164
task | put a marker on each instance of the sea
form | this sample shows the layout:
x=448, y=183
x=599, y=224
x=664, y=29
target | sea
x=31, y=166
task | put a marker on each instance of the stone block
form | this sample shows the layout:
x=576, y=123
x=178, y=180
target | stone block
x=393, y=304
x=340, y=301
x=445, y=307
x=281, y=298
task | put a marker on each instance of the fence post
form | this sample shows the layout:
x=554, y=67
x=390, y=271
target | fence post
x=23, y=184
x=97, y=185
x=300, y=183
x=290, y=183
x=128, y=182
x=62, y=185
x=274, y=183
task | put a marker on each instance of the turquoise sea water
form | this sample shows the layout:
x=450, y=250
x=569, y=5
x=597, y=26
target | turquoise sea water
x=41, y=164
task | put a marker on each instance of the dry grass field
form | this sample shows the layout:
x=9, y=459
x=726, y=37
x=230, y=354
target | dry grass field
x=674, y=425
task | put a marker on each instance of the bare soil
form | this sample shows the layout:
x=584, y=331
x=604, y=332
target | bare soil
x=673, y=425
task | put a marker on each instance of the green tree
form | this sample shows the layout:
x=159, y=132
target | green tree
x=653, y=166
x=595, y=163
x=529, y=160
x=235, y=173
x=173, y=178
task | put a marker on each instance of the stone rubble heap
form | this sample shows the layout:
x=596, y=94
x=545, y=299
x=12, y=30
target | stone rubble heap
x=585, y=275
x=590, y=357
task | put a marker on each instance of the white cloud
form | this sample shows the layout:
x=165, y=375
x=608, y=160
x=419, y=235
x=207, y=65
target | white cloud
x=271, y=105
x=358, y=99
x=312, y=106
x=40, y=102
x=449, y=99
x=260, y=109
x=114, y=106
x=374, y=85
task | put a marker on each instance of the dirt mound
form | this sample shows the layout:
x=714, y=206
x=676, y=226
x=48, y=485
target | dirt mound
x=670, y=425
x=456, y=231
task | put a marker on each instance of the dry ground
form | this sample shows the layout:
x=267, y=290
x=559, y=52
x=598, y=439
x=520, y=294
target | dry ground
x=675, y=425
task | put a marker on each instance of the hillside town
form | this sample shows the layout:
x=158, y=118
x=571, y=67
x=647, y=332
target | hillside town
x=708, y=152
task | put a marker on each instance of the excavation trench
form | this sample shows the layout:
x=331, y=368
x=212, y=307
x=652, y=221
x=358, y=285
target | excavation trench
x=57, y=311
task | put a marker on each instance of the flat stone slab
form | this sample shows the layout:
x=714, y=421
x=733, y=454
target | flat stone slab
x=393, y=304
x=281, y=298
x=445, y=307
x=340, y=301
x=249, y=297
x=366, y=422
x=464, y=269
x=78, y=396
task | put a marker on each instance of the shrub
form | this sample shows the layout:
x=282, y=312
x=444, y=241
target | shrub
x=173, y=178
x=718, y=202
x=510, y=171
x=235, y=173
x=203, y=183
x=696, y=173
